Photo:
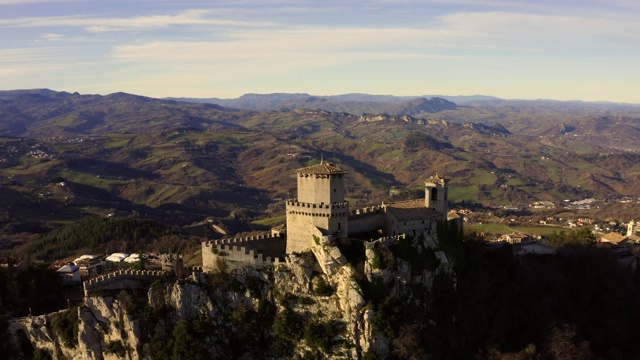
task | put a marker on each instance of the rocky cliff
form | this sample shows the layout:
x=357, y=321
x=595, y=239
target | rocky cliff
x=337, y=301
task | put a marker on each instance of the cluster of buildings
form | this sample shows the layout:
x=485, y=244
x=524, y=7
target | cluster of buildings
x=89, y=266
x=616, y=238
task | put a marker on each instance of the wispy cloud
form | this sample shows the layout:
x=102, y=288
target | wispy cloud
x=52, y=37
x=23, y=55
x=185, y=18
x=509, y=24
x=18, y=2
x=489, y=30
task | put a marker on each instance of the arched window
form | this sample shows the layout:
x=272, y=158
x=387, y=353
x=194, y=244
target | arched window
x=434, y=194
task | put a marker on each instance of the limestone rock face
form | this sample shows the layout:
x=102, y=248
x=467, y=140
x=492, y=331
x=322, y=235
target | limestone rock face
x=101, y=320
x=39, y=332
x=320, y=285
x=187, y=300
x=295, y=275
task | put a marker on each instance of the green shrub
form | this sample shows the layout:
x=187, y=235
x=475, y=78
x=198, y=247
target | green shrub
x=321, y=287
x=376, y=262
x=388, y=315
x=65, y=324
x=318, y=334
x=254, y=285
x=288, y=325
x=370, y=355
x=41, y=354
x=115, y=347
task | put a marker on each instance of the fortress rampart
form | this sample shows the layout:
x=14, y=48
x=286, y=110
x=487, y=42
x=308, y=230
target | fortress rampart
x=387, y=240
x=366, y=212
x=367, y=219
x=123, y=279
x=258, y=251
x=318, y=210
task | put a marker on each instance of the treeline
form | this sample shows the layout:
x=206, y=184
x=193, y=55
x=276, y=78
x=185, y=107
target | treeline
x=98, y=234
x=34, y=289
x=579, y=304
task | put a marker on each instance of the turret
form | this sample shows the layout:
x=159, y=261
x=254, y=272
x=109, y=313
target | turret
x=436, y=194
x=320, y=204
x=321, y=184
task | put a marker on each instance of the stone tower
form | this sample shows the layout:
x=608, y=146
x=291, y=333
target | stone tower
x=631, y=228
x=320, y=204
x=435, y=194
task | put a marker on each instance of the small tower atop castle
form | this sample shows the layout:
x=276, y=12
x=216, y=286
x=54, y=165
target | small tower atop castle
x=321, y=184
x=436, y=194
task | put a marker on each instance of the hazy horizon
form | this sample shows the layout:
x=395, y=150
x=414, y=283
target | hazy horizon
x=525, y=50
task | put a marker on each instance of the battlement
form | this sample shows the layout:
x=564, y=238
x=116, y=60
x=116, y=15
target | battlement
x=123, y=279
x=358, y=213
x=296, y=203
x=387, y=240
x=257, y=251
x=243, y=240
x=317, y=210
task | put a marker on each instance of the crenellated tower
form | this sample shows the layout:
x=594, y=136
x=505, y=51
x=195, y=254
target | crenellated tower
x=320, y=204
x=436, y=195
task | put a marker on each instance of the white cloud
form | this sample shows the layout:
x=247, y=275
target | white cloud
x=503, y=24
x=52, y=37
x=23, y=55
x=185, y=18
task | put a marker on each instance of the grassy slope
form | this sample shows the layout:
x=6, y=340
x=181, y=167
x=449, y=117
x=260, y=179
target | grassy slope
x=147, y=155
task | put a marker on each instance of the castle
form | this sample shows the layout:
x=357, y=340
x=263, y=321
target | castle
x=320, y=211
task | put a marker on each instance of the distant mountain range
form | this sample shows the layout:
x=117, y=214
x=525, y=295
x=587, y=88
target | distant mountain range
x=388, y=104
x=356, y=103
x=184, y=161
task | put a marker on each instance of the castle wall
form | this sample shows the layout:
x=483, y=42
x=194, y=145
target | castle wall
x=320, y=188
x=412, y=228
x=123, y=279
x=267, y=245
x=303, y=218
x=366, y=220
x=238, y=253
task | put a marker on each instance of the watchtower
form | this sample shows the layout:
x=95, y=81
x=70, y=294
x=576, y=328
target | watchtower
x=436, y=194
x=320, y=204
x=632, y=228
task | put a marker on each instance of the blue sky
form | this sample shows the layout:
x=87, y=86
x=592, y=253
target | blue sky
x=574, y=50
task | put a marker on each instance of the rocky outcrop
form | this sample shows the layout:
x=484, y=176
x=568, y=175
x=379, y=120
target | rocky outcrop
x=235, y=314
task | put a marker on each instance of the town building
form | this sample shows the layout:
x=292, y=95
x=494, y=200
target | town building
x=70, y=274
x=612, y=237
x=515, y=238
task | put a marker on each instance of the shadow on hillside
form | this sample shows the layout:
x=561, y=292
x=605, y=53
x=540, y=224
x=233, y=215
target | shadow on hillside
x=108, y=169
x=377, y=177
x=169, y=214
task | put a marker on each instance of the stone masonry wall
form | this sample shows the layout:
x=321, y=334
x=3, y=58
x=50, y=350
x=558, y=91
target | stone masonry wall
x=122, y=279
x=231, y=254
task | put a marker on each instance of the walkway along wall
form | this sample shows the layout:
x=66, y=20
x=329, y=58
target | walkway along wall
x=123, y=279
x=237, y=253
